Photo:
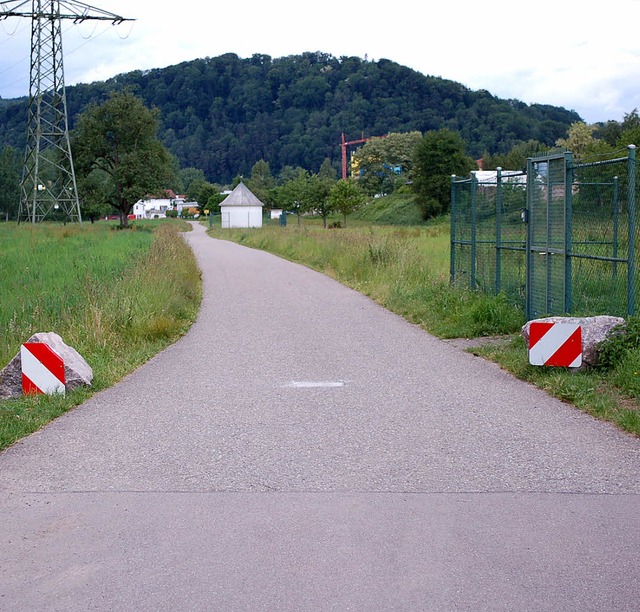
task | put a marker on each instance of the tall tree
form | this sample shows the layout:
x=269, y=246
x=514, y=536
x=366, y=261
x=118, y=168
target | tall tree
x=95, y=189
x=516, y=158
x=438, y=155
x=119, y=139
x=630, y=130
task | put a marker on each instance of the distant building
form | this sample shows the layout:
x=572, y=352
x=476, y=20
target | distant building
x=241, y=209
x=156, y=207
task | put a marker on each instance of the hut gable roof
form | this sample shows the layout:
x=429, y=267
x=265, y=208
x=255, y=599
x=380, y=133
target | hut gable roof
x=241, y=196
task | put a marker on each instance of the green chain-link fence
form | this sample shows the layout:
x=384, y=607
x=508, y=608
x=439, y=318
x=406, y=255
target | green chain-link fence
x=559, y=239
x=488, y=236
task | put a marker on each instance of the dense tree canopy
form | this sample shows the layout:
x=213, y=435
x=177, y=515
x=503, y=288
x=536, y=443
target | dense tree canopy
x=224, y=114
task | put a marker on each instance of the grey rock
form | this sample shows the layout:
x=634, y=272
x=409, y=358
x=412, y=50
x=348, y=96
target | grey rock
x=595, y=330
x=77, y=371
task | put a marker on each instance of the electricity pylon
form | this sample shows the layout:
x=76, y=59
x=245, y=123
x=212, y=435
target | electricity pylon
x=48, y=178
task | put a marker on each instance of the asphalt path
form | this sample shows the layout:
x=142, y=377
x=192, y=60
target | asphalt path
x=302, y=448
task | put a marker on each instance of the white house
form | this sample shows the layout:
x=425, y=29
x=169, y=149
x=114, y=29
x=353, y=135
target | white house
x=156, y=208
x=152, y=208
x=241, y=209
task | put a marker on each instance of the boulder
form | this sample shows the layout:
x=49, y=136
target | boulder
x=77, y=371
x=594, y=331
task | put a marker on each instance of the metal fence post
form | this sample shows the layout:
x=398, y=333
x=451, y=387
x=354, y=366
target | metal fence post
x=616, y=222
x=529, y=259
x=474, y=229
x=452, y=255
x=631, y=263
x=498, y=228
x=568, y=229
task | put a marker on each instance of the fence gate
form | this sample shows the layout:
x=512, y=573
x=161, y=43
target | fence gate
x=548, y=267
x=576, y=250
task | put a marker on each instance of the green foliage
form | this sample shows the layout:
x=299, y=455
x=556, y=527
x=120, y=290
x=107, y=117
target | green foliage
x=203, y=192
x=382, y=163
x=213, y=203
x=223, y=114
x=438, y=155
x=516, y=158
x=117, y=139
x=317, y=196
x=345, y=197
x=189, y=176
x=623, y=340
x=291, y=196
x=96, y=188
x=261, y=181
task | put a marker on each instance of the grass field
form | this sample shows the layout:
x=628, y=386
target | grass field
x=406, y=269
x=117, y=297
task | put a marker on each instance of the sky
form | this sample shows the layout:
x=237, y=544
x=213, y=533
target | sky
x=584, y=56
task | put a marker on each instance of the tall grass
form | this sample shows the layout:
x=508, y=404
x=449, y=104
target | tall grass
x=117, y=297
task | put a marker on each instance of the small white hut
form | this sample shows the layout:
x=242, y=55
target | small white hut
x=241, y=209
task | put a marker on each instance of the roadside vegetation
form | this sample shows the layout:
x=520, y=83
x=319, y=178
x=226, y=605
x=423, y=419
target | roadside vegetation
x=405, y=268
x=117, y=297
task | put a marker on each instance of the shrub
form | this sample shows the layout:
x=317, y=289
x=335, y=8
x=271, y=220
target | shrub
x=623, y=340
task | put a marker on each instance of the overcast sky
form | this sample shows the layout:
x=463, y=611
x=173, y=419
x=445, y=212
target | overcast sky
x=582, y=55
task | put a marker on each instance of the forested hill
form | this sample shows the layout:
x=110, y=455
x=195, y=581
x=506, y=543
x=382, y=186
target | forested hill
x=223, y=114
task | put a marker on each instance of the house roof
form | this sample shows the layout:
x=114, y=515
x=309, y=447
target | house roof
x=241, y=196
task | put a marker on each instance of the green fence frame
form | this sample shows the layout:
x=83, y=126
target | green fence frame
x=572, y=263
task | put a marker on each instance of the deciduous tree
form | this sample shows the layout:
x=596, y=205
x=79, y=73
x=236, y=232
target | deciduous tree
x=292, y=195
x=439, y=154
x=346, y=197
x=119, y=138
x=384, y=162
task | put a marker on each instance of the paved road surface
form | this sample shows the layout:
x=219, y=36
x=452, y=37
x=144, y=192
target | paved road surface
x=303, y=449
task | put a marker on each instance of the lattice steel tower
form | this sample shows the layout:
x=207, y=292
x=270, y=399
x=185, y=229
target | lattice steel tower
x=48, y=178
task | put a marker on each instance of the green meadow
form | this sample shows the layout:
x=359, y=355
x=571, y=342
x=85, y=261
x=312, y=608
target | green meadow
x=117, y=297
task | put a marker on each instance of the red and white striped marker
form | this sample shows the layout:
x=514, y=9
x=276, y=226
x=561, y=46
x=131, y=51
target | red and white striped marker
x=42, y=369
x=555, y=344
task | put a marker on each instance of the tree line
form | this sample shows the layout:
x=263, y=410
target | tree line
x=224, y=114
x=120, y=159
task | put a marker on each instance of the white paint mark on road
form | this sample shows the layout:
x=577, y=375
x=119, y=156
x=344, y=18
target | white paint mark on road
x=309, y=384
